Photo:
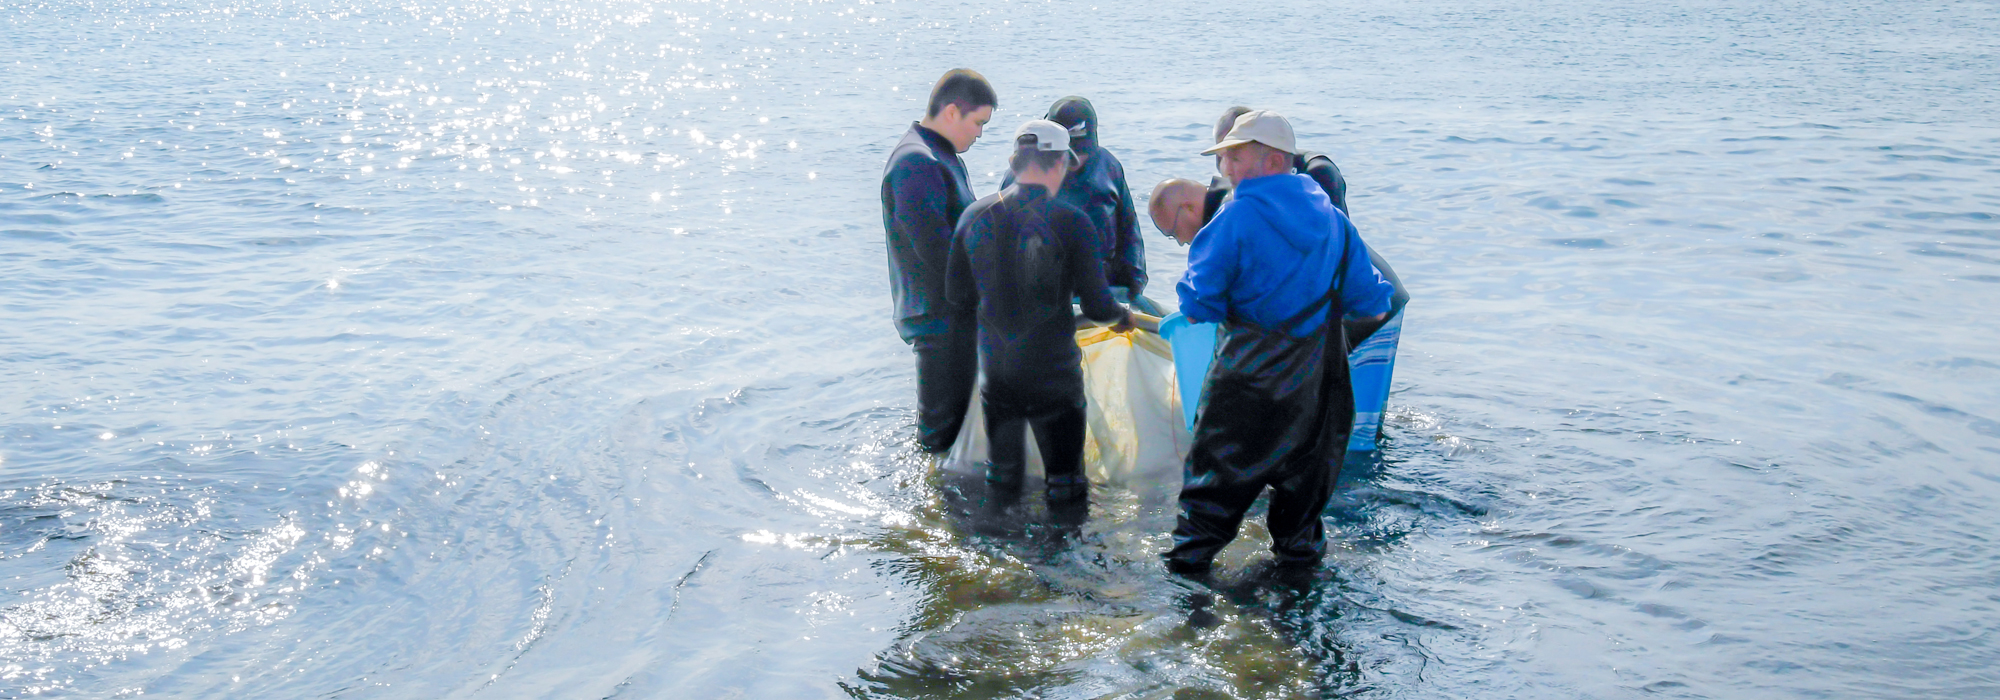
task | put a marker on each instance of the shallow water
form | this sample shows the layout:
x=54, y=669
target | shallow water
x=444, y=349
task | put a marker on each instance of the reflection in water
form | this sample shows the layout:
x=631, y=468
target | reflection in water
x=1021, y=597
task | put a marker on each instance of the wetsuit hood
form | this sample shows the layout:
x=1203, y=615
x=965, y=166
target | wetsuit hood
x=1077, y=115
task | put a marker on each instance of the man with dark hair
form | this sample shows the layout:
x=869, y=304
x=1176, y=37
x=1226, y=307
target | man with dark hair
x=1017, y=259
x=964, y=88
x=1098, y=189
x=924, y=189
x=1278, y=267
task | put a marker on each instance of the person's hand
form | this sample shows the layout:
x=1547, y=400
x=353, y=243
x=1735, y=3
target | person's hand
x=1124, y=324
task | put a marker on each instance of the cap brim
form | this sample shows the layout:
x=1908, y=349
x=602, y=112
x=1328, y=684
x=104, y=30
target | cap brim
x=1226, y=144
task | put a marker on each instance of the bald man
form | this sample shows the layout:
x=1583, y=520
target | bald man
x=1179, y=208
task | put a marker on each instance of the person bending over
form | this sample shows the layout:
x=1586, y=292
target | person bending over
x=1277, y=266
x=1097, y=187
x=1177, y=207
x=1017, y=259
x=924, y=190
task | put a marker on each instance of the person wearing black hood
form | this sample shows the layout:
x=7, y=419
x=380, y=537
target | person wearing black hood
x=1017, y=260
x=1097, y=188
x=924, y=190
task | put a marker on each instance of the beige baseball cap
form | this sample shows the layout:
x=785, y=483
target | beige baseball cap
x=1262, y=126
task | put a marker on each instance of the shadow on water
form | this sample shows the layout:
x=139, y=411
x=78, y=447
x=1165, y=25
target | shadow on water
x=1024, y=598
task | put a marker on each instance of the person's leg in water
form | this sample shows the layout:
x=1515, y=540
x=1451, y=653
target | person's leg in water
x=1212, y=508
x=1298, y=534
x=947, y=368
x=1059, y=434
x=1060, y=437
x=1006, y=437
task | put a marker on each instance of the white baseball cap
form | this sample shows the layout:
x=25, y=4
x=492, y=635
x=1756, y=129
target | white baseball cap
x=1261, y=126
x=1049, y=136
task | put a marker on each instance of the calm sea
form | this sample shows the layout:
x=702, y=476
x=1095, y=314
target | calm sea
x=525, y=348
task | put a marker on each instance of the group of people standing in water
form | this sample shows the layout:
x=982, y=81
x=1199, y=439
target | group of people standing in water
x=991, y=285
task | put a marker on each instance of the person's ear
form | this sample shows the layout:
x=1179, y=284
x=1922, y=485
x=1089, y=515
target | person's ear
x=950, y=113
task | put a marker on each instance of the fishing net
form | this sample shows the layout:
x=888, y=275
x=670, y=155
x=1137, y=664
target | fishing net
x=1136, y=439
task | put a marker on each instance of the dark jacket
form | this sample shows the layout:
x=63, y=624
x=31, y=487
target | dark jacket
x=924, y=189
x=1322, y=170
x=1017, y=260
x=1100, y=192
x=1271, y=252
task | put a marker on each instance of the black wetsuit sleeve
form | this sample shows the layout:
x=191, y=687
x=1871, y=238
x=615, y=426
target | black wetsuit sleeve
x=1322, y=170
x=960, y=287
x=1086, y=273
x=1218, y=190
x=1131, y=248
x=922, y=195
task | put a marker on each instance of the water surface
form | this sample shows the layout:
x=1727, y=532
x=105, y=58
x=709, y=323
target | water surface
x=361, y=349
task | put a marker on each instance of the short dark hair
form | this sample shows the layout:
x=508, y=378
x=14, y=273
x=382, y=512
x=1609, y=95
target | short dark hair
x=1028, y=154
x=963, y=87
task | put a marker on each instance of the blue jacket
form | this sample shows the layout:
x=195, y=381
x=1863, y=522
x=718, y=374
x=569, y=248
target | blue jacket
x=924, y=189
x=1271, y=252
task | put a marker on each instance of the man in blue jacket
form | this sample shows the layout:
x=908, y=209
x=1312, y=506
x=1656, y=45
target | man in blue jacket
x=1318, y=166
x=1278, y=266
x=924, y=189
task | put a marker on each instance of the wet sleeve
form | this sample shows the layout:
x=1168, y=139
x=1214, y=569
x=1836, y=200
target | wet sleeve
x=1363, y=291
x=1204, y=291
x=959, y=286
x=1086, y=275
x=1211, y=203
x=922, y=196
x=1323, y=171
x=1131, y=248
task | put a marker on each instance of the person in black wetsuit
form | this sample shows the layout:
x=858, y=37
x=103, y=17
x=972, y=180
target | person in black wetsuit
x=1097, y=187
x=924, y=190
x=1018, y=258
